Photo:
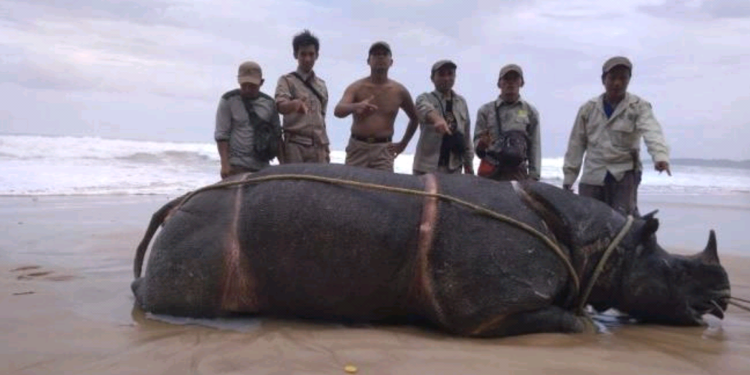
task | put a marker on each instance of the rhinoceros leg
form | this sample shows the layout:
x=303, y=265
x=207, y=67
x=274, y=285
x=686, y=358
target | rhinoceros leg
x=197, y=268
x=551, y=319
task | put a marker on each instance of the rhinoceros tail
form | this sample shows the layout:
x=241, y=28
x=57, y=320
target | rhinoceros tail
x=156, y=220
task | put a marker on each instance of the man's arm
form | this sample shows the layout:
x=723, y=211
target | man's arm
x=407, y=105
x=482, y=137
x=576, y=147
x=469, y=153
x=284, y=102
x=347, y=106
x=222, y=133
x=535, y=151
x=428, y=114
x=650, y=129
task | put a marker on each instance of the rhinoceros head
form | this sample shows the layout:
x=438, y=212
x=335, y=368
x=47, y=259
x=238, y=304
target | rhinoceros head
x=672, y=289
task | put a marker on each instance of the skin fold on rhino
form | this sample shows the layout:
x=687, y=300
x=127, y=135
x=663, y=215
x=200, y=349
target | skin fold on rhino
x=292, y=247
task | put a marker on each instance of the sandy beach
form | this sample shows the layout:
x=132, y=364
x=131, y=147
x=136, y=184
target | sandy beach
x=67, y=308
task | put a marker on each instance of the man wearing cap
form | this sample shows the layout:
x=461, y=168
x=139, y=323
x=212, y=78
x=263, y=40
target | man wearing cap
x=241, y=119
x=374, y=102
x=302, y=98
x=504, y=122
x=445, y=143
x=608, y=130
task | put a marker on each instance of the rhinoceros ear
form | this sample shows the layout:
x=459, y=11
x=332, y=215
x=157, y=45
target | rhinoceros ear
x=651, y=226
x=710, y=254
x=649, y=215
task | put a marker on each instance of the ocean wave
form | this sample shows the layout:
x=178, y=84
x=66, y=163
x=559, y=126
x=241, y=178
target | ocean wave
x=39, y=165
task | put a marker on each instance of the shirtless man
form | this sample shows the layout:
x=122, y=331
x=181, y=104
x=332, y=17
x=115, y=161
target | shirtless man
x=374, y=102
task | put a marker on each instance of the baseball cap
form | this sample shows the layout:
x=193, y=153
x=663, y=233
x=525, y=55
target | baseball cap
x=616, y=61
x=250, y=72
x=511, y=68
x=441, y=63
x=379, y=44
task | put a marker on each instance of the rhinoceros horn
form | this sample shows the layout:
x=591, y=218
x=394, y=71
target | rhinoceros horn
x=709, y=254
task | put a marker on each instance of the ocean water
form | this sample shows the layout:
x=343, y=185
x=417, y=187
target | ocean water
x=41, y=165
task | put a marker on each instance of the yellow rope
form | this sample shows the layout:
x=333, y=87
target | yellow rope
x=366, y=185
x=602, y=261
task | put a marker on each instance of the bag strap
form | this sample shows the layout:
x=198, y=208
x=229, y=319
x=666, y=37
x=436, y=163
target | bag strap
x=499, y=124
x=440, y=103
x=312, y=88
x=250, y=111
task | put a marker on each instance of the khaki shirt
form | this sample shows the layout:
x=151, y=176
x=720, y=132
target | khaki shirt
x=520, y=115
x=311, y=125
x=428, y=147
x=233, y=126
x=609, y=143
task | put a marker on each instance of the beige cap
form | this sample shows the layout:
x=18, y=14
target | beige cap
x=511, y=68
x=250, y=72
x=616, y=61
x=380, y=44
x=442, y=63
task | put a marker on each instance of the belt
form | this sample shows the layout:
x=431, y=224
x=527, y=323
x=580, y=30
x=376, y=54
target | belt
x=371, y=139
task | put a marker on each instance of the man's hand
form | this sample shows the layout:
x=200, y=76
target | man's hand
x=302, y=106
x=365, y=107
x=662, y=166
x=485, y=140
x=225, y=170
x=396, y=148
x=441, y=126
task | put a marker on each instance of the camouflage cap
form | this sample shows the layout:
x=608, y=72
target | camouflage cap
x=616, y=61
x=511, y=68
x=441, y=63
x=250, y=72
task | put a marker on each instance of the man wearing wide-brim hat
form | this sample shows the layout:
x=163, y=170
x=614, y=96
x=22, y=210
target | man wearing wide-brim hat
x=445, y=143
x=608, y=131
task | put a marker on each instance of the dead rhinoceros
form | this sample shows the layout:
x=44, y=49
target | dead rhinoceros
x=473, y=256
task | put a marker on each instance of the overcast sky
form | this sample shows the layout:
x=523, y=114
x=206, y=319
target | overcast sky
x=155, y=69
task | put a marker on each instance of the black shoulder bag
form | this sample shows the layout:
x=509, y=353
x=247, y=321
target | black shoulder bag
x=455, y=141
x=266, y=137
x=511, y=147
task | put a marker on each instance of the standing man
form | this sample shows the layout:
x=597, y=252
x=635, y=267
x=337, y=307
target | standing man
x=608, y=129
x=247, y=125
x=374, y=102
x=302, y=97
x=507, y=136
x=445, y=144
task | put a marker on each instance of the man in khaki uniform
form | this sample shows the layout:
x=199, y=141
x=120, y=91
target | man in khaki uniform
x=302, y=98
x=445, y=143
x=608, y=129
x=499, y=119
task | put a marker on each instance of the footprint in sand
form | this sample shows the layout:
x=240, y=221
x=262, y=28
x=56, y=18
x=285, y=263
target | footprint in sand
x=40, y=274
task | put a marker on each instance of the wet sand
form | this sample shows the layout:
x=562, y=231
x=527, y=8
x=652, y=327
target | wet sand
x=66, y=308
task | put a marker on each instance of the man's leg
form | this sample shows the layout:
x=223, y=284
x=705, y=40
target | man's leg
x=320, y=154
x=293, y=152
x=357, y=153
x=592, y=191
x=381, y=158
x=622, y=194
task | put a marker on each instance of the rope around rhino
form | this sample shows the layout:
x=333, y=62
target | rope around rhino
x=480, y=209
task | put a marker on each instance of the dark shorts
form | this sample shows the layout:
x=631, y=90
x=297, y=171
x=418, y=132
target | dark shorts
x=621, y=195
